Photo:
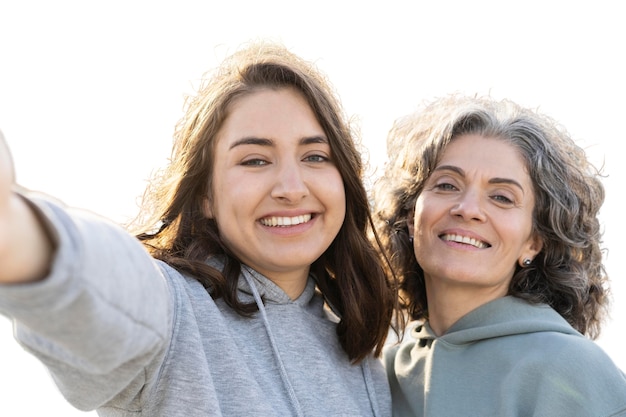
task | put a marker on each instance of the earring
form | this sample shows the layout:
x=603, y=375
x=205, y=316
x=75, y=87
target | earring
x=411, y=239
x=527, y=262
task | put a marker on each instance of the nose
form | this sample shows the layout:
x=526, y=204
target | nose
x=290, y=185
x=469, y=206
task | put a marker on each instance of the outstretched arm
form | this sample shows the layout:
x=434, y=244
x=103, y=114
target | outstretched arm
x=25, y=248
x=100, y=317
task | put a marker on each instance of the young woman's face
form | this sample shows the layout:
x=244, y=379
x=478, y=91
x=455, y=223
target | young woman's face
x=473, y=219
x=279, y=199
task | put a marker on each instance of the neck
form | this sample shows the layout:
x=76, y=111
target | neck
x=293, y=289
x=449, y=303
x=292, y=283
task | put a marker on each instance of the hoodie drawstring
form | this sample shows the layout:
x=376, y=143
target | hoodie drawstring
x=369, y=381
x=270, y=335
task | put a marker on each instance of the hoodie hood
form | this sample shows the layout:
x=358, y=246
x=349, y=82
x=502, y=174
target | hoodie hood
x=255, y=287
x=504, y=316
x=268, y=291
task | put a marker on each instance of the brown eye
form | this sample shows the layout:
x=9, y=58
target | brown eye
x=255, y=162
x=445, y=186
x=502, y=199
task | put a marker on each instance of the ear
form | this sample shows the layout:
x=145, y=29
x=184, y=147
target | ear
x=410, y=222
x=534, y=246
x=206, y=208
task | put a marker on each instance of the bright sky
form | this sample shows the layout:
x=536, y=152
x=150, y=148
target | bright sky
x=90, y=93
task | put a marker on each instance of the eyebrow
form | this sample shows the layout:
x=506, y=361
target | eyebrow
x=495, y=180
x=251, y=140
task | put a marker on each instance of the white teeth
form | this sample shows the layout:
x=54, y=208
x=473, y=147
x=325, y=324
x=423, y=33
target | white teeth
x=467, y=240
x=285, y=221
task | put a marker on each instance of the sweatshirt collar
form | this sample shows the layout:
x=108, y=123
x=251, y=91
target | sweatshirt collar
x=267, y=289
x=504, y=316
x=272, y=293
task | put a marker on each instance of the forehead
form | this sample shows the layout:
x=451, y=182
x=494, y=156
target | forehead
x=269, y=110
x=281, y=113
x=484, y=153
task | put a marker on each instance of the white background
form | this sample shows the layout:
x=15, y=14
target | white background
x=90, y=92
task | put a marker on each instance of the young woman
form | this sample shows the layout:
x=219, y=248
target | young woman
x=253, y=288
x=490, y=212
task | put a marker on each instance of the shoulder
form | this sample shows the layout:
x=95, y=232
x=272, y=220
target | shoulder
x=184, y=288
x=562, y=348
x=552, y=359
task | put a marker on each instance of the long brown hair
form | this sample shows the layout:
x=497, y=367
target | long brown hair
x=173, y=227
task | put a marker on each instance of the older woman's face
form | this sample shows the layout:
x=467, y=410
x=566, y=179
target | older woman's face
x=473, y=220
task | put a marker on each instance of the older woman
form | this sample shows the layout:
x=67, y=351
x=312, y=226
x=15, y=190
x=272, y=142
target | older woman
x=490, y=213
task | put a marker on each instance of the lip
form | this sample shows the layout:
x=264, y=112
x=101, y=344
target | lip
x=463, y=238
x=285, y=223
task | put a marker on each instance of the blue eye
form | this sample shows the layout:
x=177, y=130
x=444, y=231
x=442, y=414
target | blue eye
x=316, y=158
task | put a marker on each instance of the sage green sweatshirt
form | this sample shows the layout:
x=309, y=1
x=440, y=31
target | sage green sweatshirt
x=507, y=358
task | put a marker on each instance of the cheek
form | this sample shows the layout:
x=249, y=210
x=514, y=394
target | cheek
x=331, y=193
x=332, y=188
x=338, y=202
x=341, y=205
x=518, y=229
x=224, y=206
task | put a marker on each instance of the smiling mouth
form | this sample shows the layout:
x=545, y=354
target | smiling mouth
x=466, y=240
x=285, y=221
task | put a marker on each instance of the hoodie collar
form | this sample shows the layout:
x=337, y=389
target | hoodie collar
x=259, y=288
x=267, y=289
x=504, y=316
x=272, y=293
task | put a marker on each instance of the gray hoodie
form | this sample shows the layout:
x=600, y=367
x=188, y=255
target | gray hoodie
x=130, y=336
